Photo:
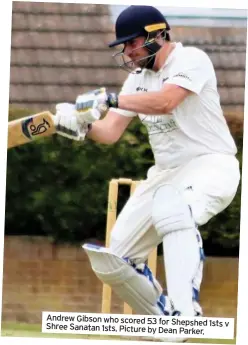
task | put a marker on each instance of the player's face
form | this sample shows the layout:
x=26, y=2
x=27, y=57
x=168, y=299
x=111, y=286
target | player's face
x=135, y=51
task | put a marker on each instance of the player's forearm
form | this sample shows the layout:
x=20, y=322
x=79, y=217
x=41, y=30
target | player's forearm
x=101, y=133
x=150, y=103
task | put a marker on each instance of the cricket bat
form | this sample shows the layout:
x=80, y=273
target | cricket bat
x=30, y=128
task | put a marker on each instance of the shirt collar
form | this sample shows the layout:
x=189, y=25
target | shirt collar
x=172, y=54
x=168, y=60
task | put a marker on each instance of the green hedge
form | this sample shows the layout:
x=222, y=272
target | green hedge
x=58, y=188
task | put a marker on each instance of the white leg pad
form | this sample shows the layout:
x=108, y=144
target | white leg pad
x=136, y=289
x=173, y=221
x=170, y=212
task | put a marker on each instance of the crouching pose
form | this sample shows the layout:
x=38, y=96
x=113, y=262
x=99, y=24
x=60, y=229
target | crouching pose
x=172, y=89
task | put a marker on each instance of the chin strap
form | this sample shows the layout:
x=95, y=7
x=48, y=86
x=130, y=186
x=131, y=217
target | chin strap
x=150, y=62
x=153, y=47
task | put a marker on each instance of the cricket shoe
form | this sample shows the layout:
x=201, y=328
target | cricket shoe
x=166, y=305
x=173, y=340
x=169, y=305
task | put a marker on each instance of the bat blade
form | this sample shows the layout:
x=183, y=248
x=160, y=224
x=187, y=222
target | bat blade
x=30, y=128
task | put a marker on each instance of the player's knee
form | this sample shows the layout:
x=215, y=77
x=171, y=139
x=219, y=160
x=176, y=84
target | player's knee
x=112, y=269
x=170, y=212
x=109, y=271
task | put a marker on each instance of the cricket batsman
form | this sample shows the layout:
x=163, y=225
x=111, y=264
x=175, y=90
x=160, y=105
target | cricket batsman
x=173, y=91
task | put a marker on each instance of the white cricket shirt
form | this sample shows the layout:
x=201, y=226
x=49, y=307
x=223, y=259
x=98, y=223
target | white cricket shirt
x=196, y=126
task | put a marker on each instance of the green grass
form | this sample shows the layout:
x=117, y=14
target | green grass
x=29, y=330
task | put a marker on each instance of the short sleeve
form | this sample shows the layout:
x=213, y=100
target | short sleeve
x=191, y=70
x=128, y=88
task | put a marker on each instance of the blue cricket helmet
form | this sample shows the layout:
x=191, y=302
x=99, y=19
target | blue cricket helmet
x=137, y=21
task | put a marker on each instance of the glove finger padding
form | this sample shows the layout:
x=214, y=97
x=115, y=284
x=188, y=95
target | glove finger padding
x=88, y=116
x=96, y=99
x=66, y=108
x=69, y=127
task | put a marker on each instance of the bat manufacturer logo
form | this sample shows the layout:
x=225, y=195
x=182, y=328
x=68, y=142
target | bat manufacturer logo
x=30, y=130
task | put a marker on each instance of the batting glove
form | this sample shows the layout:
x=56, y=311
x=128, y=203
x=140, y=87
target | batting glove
x=92, y=105
x=67, y=124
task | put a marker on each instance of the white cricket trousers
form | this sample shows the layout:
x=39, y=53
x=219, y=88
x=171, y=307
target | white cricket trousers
x=208, y=184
